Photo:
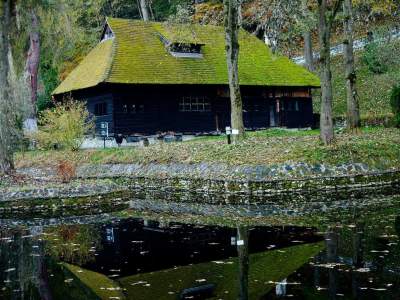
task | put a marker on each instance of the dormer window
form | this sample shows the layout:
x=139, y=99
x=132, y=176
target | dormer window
x=182, y=49
x=107, y=34
x=185, y=50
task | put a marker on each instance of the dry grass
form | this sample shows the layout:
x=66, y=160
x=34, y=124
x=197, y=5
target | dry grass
x=378, y=147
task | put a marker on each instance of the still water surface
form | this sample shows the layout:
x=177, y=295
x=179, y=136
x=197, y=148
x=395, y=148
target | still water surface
x=347, y=254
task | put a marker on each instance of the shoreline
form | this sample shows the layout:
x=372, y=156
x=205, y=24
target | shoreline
x=207, y=184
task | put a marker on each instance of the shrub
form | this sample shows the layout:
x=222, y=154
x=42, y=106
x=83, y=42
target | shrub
x=66, y=170
x=64, y=126
x=395, y=104
x=72, y=243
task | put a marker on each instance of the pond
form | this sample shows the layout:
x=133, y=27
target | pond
x=347, y=250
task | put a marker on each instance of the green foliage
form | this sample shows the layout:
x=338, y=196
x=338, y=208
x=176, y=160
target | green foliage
x=395, y=104
x=373, y=89
x=379, y=57
x=64, y=126
x=72, y=243
x=49, y=77
x=163, y=9
x=373, y=59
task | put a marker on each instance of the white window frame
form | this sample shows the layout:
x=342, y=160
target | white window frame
x=194, y=104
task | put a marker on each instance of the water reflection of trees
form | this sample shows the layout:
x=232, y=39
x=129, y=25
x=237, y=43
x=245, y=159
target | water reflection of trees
x=362, y=248
x=75, y=244
x=23, y=270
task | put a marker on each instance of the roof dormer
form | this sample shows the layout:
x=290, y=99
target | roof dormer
x=107, y=33
x=182, y=49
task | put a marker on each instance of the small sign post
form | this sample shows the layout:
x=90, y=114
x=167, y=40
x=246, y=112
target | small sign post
x=104, y=132
x=228, y=131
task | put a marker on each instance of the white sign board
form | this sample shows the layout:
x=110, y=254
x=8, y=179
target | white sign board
x=240, y=243
x=104, y=129
x=235, y=131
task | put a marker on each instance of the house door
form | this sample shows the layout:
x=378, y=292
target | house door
x=273, y=114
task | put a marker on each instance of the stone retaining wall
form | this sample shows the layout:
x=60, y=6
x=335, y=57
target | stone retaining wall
x=226, y=191
x=231, y=191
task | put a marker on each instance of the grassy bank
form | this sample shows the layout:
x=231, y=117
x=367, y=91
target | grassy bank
x=373, y=89
x=377, y=147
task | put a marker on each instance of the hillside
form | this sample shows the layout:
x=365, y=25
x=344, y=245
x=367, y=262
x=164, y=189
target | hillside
x=373, y=89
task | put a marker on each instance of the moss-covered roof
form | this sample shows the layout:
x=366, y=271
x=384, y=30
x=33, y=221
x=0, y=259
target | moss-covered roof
x=136, y=55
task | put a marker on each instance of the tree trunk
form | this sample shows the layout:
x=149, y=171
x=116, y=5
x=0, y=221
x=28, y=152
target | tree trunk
x=6, y=153
x=43, y=275
x=308, y=48
x=145, y=10
x=32, y=69
x=243, y=256
x=308, y=51
x=324, y=32
x=232, y=27
x=353, y=110
x=331, y=240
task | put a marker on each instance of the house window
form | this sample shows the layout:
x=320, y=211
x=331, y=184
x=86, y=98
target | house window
x=108, y=34
x=194, y=104
x=185, y=50
x=293, y=105
x=296, y=105
x=100, y=109
x=132, y=108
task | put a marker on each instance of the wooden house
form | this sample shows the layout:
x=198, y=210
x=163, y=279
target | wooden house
x=148, y=77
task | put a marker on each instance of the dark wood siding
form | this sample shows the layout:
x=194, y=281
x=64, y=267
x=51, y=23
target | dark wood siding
x=161, y=111
x=298, y=118
x=151, y=109
x=107, y=99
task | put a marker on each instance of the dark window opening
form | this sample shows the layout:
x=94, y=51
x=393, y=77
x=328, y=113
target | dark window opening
x=249, y=106
x=100, y=109
x=293, y=105
x=185, y=48
x=108, y=34
x=132, y=108
x=194, y=104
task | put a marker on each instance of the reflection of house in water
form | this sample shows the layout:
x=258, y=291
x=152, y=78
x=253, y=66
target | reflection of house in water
x=137, y=246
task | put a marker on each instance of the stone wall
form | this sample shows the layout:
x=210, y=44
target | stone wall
x=205, y=184
x=273, y=191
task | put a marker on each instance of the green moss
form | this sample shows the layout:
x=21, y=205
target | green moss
x=266, y=267
x=139, y=56
x=91, y=71
x=99, y=284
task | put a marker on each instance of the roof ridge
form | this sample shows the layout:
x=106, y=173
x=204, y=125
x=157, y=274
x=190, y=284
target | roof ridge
x=110, y=63
x=164, y=22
